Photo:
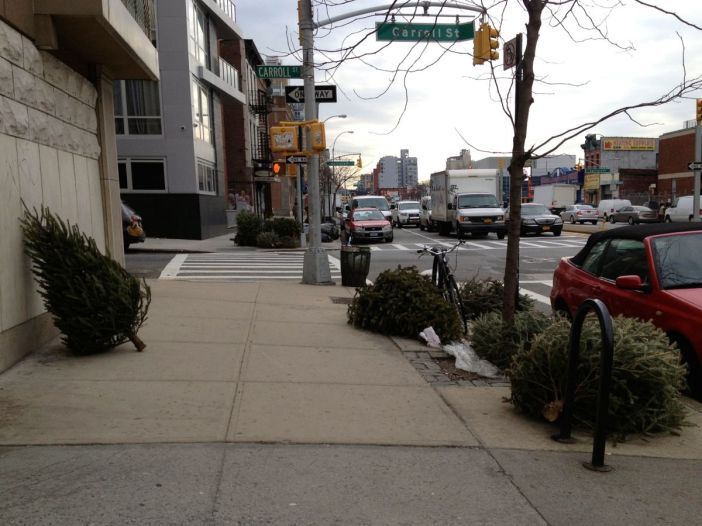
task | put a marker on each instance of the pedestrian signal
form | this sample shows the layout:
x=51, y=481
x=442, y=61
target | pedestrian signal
x=278, y=168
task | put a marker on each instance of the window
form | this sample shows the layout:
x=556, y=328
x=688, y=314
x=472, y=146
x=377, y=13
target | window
x=137, y=107
x=201, y=110
x=592, y=261
x=624, y=257
x=206, y=177
x=142, y=174
x=198, y=41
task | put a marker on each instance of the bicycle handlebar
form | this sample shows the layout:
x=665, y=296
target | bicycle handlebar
x=437, y=251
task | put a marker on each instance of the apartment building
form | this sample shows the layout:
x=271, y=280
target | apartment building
x=171, y=139
x=58, y=61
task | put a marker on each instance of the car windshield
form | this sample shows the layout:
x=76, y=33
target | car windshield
x=374, y=202
x=678, y=264
x=535, y=210
x=409, y=205
x=583, y=207
x=642, y=209
x=368, y=215
x=477, y=201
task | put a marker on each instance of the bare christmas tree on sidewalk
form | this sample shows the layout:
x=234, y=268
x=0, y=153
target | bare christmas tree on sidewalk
x=95, y=302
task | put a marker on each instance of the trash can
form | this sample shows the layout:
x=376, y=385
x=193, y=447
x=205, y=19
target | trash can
x=355, y=264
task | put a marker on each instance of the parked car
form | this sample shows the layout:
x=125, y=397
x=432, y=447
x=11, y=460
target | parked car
x=681, y=210
x=650, y=272
x=537, y=218
x=579, y=214
x=634, y=215
x=366, y=224
x=405, y=213
x=425, y=221
x=607, y=207
x=133, y=232
x=371, y=201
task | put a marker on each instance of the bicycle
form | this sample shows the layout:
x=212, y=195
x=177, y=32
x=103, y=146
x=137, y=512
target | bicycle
x=444, y=279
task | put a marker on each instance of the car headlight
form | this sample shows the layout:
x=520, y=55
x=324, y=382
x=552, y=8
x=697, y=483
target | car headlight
x=359, y=229
x=558, y=221
x=403, y=215
x=387, y=228
x=529, y=221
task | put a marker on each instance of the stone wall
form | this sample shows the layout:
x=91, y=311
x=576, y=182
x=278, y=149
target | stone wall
x=49, y=152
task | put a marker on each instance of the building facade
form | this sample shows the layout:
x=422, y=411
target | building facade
x=676, y=150
x=408, y=170
x=171, y=136
x=548, y=164
x=58, y=61
x=389, y=174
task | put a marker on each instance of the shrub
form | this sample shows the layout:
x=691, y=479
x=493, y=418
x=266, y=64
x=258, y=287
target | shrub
x=646, y=377
x=289, y=242
x=248, y=226
x=481, y=296
x=284, y=227
x=402, y=302
x=267, y=240
x=497, y=342
x=95, y=302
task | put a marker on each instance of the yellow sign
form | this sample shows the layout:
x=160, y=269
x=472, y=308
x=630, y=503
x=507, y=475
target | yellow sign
x=629, y=143
x=591, y=182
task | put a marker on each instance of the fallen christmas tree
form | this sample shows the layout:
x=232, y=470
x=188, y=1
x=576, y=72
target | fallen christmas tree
x=95, y=302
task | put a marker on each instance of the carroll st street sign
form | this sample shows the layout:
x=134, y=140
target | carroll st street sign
x=390, y=31
x=279, y=72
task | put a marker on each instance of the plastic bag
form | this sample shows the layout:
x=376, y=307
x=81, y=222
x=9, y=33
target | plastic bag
x=467, y=360
x=429, y=335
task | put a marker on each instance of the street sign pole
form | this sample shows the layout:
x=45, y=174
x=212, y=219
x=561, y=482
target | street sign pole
x=696, y=174
x=301, y=206
x=315, y=270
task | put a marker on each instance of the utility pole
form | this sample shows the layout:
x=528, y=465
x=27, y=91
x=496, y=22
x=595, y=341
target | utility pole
x=698, y=158
x=315, y=270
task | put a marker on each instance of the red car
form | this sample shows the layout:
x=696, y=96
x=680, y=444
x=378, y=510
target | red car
x=651, y=272
x=365, y=224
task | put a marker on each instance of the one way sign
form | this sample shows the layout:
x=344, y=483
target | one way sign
x=295, y=94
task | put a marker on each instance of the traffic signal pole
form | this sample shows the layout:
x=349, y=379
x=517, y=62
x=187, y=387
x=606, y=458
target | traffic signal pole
x=698, y=158
x=315, y=270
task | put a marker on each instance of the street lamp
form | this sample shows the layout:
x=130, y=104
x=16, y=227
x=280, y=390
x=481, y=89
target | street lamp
x=342, y=116
x=329, y=203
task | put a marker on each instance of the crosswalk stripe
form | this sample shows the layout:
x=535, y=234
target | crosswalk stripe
x=400, y=247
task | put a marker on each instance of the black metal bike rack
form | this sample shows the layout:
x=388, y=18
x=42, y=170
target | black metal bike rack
x=606, y=359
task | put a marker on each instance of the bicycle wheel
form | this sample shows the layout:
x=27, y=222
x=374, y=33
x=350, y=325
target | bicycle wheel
x=436, y=277
x=454, y=296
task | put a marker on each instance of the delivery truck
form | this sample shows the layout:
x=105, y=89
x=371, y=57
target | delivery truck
x=468, y=201
x=556, y=196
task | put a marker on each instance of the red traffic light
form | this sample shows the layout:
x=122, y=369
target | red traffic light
x=278, y=168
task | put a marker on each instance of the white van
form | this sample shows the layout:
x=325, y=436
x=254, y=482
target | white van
x=425, y=214
x=681, y=210
x=608, y=206
x=372, y=201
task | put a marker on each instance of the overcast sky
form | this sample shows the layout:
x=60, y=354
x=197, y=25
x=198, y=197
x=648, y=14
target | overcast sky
x=584, y=80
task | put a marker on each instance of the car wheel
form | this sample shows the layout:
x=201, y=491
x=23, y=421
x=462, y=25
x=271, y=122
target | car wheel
x=572, y=219
x=593, y=222
x=694, y=376
x=556, y=233
x=399, y=225
x=421, y=227
x=459, y=233
x=561, y=310
x=500, y=235
x=667, y=219
x=630, y=220
x=611, y=219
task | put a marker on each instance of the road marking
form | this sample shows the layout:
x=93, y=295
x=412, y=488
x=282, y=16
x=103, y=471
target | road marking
x=535, y=296
x=400, y=247
x=171, y=270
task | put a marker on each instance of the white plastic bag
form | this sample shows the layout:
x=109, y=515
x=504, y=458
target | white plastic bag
x=467, y=360
x=429, y=335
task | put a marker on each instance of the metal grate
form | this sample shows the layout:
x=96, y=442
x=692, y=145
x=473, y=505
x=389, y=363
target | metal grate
x=341, y=300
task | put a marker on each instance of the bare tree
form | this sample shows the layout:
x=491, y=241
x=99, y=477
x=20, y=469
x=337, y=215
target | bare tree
x=334, y=180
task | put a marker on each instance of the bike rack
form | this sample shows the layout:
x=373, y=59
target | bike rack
x=606, y=359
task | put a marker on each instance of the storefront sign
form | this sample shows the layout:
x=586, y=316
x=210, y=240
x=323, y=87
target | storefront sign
x=591, y=182
x=629, y=143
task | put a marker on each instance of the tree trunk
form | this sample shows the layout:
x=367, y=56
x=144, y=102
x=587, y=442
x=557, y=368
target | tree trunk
x=523, y=101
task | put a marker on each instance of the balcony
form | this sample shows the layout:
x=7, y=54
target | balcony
x=224, y=78
x=224, y=17
x=113, y=33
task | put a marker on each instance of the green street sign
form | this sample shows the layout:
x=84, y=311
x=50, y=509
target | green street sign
x=279, y=72
x=597, y=170
x=389, y=32
x=341, y=163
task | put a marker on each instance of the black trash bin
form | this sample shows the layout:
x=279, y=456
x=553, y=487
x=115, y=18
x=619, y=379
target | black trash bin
x=355, y=264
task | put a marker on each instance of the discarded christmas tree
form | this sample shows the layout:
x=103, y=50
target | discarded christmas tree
x=95, y=302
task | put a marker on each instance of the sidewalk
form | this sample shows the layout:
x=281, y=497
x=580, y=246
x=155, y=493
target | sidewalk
x=258, y=403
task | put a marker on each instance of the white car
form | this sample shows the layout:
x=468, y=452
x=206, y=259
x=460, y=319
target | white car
x=405, y=213
x=579, y=214
x=681, y=211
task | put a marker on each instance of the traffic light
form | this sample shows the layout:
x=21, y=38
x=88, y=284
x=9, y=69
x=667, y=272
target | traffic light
x=359, y=163
x=278, y=168
x=285, y=138
x=698, y=113
x=485, y=44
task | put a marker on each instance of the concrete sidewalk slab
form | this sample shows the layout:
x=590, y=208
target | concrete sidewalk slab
x=332, y=313
x=193, y=329
x=311, y=334
x=317, y=413
x=206, y=291
x=296, y=294
x=188, y=307
x=498, y=424
x=638, y=490
x=162, y=361
x=329, y=365
x=113, y=412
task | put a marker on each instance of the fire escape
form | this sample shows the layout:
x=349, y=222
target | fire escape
x=259, y=106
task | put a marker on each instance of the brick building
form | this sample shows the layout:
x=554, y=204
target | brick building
x=676, y=150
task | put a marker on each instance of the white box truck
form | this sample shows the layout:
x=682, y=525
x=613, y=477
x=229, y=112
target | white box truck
x=468, y=201
x=555, y=196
